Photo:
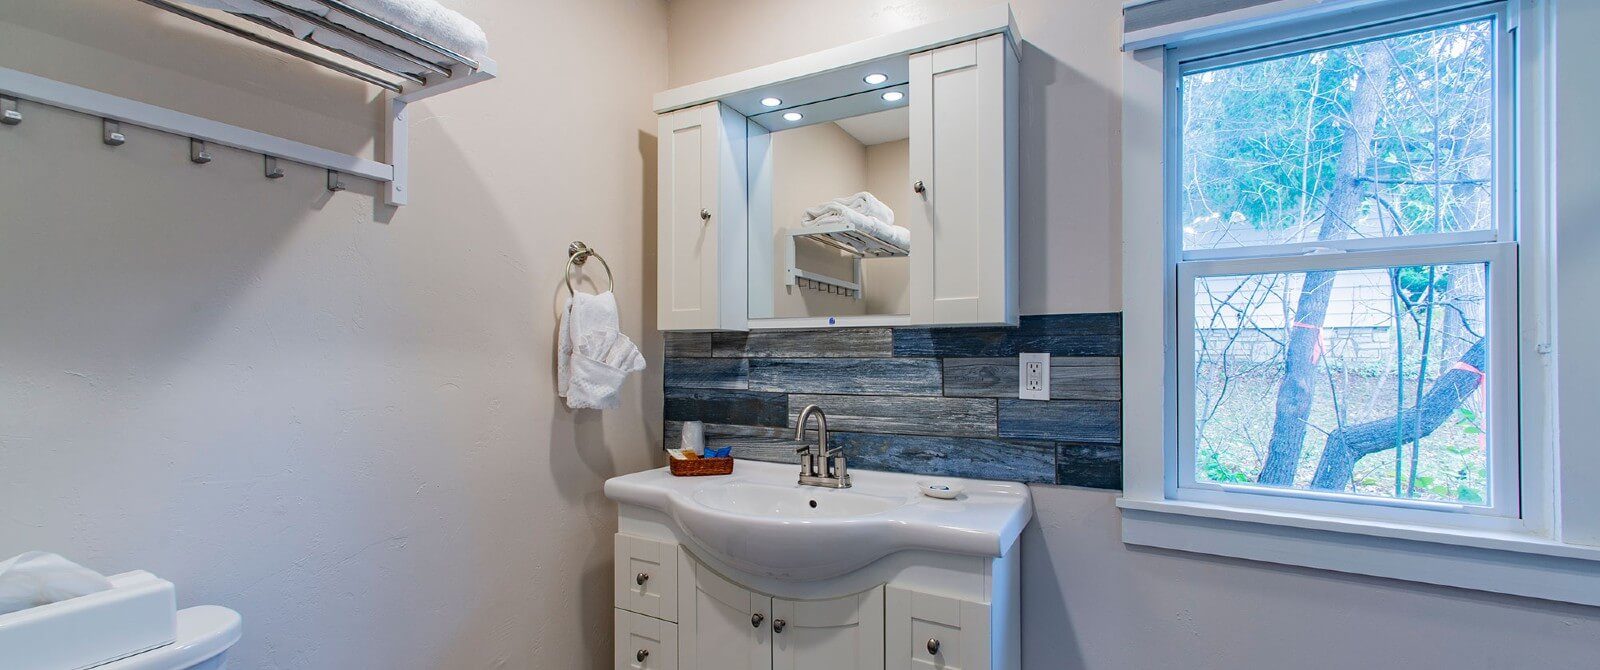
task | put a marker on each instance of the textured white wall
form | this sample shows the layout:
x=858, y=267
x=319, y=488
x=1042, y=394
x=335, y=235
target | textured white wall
x=339, y=420
x=1088, y=600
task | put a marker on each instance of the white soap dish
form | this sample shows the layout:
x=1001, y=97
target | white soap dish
x=941, y=490
x=138, y=613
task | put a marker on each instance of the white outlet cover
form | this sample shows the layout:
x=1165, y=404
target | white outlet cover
x=1033, y=376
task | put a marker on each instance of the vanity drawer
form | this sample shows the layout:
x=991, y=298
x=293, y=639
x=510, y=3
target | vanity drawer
x=929, y=632
x=646, y=577
x=645, y=643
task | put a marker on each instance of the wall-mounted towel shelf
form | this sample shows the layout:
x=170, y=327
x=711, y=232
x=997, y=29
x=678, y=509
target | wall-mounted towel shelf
x=850, y=239
x=397, y=68
x=844, y=237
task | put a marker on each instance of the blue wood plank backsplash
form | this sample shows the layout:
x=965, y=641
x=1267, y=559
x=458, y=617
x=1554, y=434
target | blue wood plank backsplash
x=936, y=401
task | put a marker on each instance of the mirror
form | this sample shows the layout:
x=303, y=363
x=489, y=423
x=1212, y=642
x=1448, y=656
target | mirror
x=830, y=197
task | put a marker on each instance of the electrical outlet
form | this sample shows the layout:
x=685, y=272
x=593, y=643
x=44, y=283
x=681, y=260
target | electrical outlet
x=1033, y=376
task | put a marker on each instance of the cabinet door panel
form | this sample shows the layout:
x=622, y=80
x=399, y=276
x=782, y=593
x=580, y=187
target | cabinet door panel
x=963, y=149
x=722, y=625
x=928, y=632
x=645, y=576
x=838, y=634
x=686, y=242
x=645, y=643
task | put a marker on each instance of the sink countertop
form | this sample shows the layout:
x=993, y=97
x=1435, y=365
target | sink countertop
x=760, y=519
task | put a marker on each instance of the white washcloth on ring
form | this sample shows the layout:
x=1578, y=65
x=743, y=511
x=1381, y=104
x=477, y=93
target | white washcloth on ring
x=601, y=362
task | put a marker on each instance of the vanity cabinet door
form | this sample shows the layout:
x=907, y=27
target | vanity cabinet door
x=964, y=158
x=700, y=228
x=721, y=625
x=929, y=632
x=644, y=643
x=645, y=576
x=838, y=634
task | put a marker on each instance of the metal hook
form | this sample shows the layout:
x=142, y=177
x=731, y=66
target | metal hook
x=271, y=168
x=578, y=253
x=334, y=182
x=197, y=152
x=111, y=133
x=9, y=114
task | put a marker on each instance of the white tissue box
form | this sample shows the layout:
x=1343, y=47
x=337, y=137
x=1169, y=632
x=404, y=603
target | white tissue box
x=139, y=613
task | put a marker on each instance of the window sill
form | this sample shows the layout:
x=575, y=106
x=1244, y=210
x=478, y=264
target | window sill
x=1498, y=562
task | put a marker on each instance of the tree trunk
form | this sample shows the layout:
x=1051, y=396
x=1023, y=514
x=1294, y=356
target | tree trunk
x=1339, y=215
x=1347, y=445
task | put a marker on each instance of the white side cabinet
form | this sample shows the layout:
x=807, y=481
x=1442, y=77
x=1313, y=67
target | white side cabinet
x=890, y=619
x=964, y=166
x=701, y=238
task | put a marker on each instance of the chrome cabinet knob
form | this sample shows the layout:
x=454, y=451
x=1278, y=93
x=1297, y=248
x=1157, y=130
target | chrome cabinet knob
x=756, y=619
x=643, y=654
x=705, y=214
x=919, y=188
x=933, y=646
x=641, y=578
x=778, y=624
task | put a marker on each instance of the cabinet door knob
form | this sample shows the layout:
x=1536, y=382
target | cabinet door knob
x=705, y=214
x=756, y=619
x=778, y=624
x=933, y=645
x=641, y=578
x=919, y=188
x=643, y=654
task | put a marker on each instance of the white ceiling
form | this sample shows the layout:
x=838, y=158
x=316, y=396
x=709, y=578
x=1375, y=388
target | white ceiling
x=878, y=127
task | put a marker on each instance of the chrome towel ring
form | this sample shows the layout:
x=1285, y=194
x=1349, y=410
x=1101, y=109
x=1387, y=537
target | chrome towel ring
x=578, y=253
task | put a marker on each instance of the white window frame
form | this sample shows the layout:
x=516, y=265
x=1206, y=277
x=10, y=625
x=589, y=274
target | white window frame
x=1548, y=546
x=1494, y=246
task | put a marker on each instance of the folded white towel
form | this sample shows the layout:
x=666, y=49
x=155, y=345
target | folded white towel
x=40, y=578
x=427, y=18
x=593, y=357
x=863, y=202
x=834, y=212
x=424, y=18
x=601, y=362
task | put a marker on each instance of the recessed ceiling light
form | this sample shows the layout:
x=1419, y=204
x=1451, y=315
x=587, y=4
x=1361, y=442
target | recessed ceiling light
x=893, y=96
x=771, y=102
x=792, y=116
x=875, y=78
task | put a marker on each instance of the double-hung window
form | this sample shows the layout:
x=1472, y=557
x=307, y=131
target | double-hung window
x=1340, y=211
x=1364, y=342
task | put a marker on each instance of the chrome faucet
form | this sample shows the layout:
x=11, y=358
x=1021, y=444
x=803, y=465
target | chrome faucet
x=832, y=473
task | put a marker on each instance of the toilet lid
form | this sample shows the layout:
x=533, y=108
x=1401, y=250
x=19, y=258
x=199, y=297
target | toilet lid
x=203, y=632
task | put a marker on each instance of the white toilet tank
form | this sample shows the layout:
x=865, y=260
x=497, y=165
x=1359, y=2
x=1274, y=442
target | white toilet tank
x=204, y=635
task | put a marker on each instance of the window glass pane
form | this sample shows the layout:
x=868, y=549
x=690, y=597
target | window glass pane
x=1359, y=381
x=1379, y=139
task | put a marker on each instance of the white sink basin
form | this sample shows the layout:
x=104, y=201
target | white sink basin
x=761, y=521
x=792, y=501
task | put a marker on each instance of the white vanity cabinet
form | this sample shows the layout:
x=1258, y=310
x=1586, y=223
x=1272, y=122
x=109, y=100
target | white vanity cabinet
x=701, y=228
x=727, y=192
x=905, y=617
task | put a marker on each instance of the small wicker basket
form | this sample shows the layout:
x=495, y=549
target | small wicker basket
x=700, y=467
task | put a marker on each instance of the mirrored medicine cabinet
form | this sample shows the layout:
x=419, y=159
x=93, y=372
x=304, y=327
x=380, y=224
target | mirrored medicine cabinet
x=872, y=184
